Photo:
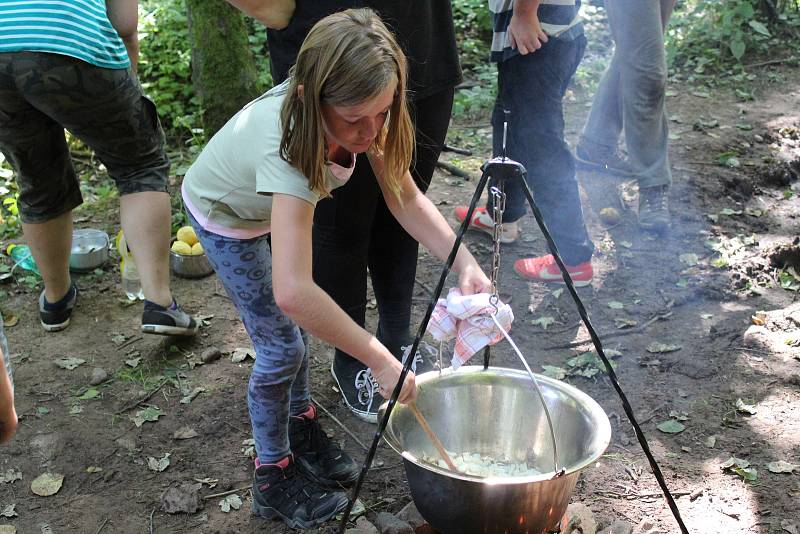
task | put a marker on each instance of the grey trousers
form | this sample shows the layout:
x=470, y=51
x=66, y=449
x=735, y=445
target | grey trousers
x=630, y=96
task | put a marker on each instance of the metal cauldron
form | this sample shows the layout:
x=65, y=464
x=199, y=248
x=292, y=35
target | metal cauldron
x=496, y=412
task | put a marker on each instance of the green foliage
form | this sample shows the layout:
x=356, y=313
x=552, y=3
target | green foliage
x=165, y=65
x=473, y=25
x=710, y=35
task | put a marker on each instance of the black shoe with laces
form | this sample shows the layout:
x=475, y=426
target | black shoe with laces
x=170, y=321
x=285, y=491
x=654, y=208
x=55, y=316
x=426, y=359
x=317, y=454
x=358, y=387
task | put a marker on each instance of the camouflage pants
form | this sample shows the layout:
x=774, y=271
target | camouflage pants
x=41, y=94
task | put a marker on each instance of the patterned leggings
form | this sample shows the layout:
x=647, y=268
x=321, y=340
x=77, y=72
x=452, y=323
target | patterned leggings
x=279, y=379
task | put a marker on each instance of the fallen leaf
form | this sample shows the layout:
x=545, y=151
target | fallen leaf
x=204, y=320
x=151, y=414
x=133, y=362
x=557, y=293
x=759, y=318
x=671, y=426
x=69, y=363
x=615, y=305
x=42, y=410
x=47, y=484
x=623, y=322
x=626, y=244
x=210, y=482
x=749, y=409
x=93, y=469
x=192, y=394
x=230, y=501
x=75, y=409
x=710, y=442
x=183, y=498
x=683, y=283
x=10, y=320
x=679, y=416
x=117, y=338
x=10, y=476
x=728, y=211
x=543, y=321
x=241, y=354
x=782, y=467
x=706, y=315
x=689, y=259
x=741, y=467
x=158, y=465
x=90, y=393
x=8, y=510
x=556, y=373
x=185, y=432
x=249, y=447
x=656, y=347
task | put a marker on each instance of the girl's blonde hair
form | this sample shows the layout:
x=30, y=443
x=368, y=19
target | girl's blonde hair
x=346, y=59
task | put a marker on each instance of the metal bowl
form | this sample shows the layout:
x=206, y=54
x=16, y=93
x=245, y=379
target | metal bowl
x=89, y=249
x=187, y=266
x=497, y=413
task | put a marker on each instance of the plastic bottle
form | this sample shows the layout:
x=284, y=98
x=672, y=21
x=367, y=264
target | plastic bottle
x=131, y=284
x=22, y=257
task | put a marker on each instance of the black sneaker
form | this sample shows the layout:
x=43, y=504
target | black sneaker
x=55, y=316
x=426, y=359
x=602, y=159
x=654, y=208
x=317, y=454
x=283, y=491
x=172, y=321
x=358, y=387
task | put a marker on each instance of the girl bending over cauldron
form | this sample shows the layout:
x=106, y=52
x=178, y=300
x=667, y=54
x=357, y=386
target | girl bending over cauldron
x=250, y=197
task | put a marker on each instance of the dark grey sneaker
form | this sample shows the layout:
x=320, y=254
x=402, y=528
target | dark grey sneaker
x=358, y=387
x=318, y=455
x=654, y=208
x=56, y=316
x=602, y=159
x=172, y=321
x=285, y=491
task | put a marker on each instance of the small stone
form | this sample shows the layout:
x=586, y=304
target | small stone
x=211, y=354
x=618, y=527
x=363, y=526
x=387, y=523
x=181, y=498
x=411, y=515
x=578, y=514
x=758, y=138
x=647, y=526
x=99, y=375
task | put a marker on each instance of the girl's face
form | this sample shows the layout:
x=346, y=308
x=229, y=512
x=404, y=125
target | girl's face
x=354, y=128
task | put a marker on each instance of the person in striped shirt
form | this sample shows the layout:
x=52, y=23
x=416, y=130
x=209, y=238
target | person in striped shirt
x=64, y=65
x=538, y=45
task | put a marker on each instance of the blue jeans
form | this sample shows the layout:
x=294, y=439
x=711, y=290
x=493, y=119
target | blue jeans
x=532, y=88
x=630, y=96
x=279, y=379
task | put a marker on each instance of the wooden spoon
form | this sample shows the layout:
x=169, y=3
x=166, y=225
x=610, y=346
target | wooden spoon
x=435, y=440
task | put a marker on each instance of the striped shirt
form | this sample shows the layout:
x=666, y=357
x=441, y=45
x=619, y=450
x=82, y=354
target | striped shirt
x=77, y=28
x=559, y=19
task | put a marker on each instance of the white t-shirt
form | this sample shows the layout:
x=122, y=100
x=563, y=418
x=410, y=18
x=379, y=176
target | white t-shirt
x=229, y=188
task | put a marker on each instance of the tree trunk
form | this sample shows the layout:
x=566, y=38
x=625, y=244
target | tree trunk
x=223, y=70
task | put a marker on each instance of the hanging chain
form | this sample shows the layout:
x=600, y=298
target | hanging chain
x=498, y=207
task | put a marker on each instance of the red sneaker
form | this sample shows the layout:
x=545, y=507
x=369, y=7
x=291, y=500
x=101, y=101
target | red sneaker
x=482, y=221
x=544, y=269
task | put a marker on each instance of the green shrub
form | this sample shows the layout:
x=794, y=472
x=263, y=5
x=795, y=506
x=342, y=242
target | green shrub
x=712, y=34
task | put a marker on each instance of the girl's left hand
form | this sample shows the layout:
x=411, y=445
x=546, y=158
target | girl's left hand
x=473, y=280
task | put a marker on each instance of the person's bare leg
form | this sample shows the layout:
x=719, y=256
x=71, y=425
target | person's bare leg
x=50, y=243
x=145, y=220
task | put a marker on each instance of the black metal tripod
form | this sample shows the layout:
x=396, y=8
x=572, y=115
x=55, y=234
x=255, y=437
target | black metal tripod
x=503, y=169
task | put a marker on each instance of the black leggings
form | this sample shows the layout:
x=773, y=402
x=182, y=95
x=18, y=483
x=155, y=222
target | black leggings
x=354, y=231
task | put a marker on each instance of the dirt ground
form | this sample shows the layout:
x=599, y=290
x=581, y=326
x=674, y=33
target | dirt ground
x=698, y=288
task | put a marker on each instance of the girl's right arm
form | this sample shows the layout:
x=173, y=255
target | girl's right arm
x=274, y=14
x=309, y=306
